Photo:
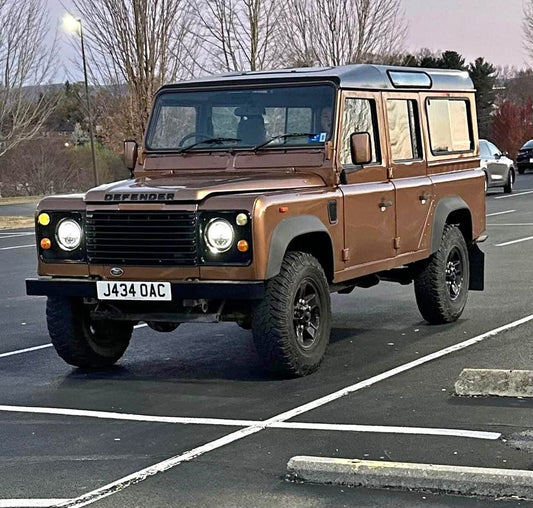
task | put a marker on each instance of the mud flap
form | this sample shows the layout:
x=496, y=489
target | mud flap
x=477, y=268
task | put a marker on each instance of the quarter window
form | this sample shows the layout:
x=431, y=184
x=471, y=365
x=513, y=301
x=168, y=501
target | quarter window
x=449, y=125
x=359, y=116
x=404, y=129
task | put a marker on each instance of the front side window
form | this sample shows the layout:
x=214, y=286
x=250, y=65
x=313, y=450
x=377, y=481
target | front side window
x=359, y=116
x=484, y=150
x=449, y=125
x=404, y=129
x=235, y=118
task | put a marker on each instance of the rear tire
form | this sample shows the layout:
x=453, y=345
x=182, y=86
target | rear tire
x=291, y=325
x=521, y=171
x=81, y=341
x=441, y=286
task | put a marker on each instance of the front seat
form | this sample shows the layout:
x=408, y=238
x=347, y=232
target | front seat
x=251, y=128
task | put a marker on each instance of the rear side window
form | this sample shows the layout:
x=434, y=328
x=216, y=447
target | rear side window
x=404, y=129
x=359, y=116
x=449, y=125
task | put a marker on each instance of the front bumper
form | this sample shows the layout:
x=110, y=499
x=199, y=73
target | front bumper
x=223, y=290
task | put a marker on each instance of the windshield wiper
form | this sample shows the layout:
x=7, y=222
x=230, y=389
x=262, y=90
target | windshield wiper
x=208, y=141
x=283, y=136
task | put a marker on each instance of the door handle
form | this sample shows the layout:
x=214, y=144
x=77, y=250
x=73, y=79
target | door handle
x=384, y=205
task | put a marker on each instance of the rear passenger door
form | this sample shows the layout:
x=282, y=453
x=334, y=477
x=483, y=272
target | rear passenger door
x=408, y=171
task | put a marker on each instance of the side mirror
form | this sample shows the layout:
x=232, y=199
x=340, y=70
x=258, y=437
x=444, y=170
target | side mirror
x=361, y=148
x=497, y=156
x=130, y=153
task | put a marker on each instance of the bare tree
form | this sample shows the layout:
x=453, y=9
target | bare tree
x=26, y=63
x=527, y=27
x=239, y=34
x=136, y=46
x=338, y=32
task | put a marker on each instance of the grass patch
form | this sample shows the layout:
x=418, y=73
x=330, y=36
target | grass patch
x=14, y=222
x=19, y=200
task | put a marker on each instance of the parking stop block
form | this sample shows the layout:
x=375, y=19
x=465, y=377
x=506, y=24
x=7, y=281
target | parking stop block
x=498, y=382
x=470, y=481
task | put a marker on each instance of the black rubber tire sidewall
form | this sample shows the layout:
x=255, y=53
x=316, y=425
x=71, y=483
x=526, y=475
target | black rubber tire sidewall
x=431, y=291
x=80, y=342
x=272, y=319
x=508, y=187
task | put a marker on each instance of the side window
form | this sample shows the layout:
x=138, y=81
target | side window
x=494, y=150
x=449, y=125
x=484, y=150
x=404, y=129
x=359, y=116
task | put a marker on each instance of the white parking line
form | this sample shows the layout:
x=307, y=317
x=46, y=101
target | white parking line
x=18, y=247
x=513, y=224
x=500, y=213
x=514, y=195
x=14, y=235
x=338, y=427
x=143, y=474
x=527, y=238
x=26, y=350
x=30, y=503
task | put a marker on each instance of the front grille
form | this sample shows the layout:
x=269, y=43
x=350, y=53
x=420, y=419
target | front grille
x=141, y=238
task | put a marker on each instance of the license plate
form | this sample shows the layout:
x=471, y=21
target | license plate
x=114, y=290
x=531, y=161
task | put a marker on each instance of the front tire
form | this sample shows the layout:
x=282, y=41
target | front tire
x=508, y=188
x=291, y=325
x=441, y=286
x=81, y=341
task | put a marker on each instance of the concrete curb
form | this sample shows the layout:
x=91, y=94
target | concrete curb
x=470, y=481
x=503, y=383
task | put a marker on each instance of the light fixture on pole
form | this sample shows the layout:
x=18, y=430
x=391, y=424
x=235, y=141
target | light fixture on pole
x=74, y=25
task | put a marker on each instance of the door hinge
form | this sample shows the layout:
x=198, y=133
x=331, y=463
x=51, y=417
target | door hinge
x=397, y=242
x=389, y=173
x=346, y=254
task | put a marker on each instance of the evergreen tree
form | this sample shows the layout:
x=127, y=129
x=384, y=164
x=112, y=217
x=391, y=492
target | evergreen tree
x=483, y=74
x=452, y=60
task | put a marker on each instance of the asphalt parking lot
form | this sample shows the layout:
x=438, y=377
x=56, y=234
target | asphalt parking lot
x=189, y=419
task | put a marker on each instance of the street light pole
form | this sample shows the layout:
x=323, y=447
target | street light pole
x=72, y=24
x=91, y=133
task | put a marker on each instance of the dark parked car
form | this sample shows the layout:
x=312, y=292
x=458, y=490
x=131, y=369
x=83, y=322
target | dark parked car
x=524, y=159
x=499, y=169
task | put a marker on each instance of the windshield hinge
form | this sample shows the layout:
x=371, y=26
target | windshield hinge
x=329, y=150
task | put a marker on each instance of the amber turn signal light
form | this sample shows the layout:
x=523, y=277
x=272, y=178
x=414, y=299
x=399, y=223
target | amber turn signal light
x=46, y=243
x=242, y=246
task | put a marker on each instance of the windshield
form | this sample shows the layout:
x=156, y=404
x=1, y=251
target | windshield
x=241, y=118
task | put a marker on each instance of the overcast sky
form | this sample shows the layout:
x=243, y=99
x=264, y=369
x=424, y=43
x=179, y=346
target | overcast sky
x=487, y=28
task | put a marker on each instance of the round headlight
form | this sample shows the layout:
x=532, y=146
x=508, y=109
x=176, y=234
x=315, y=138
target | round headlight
x=68, y=234
x=219, y=235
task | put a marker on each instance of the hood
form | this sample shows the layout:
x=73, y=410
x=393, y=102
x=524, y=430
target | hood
x=188, y=189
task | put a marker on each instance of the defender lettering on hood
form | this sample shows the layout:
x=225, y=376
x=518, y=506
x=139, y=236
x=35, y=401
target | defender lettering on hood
x=140, y=196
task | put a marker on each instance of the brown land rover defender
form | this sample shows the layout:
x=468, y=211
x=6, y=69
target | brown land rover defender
x=255, y=195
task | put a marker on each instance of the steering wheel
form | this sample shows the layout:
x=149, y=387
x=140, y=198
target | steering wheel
x=193, y=135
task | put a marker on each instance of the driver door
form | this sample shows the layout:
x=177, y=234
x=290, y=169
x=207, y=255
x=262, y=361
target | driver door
x=369, y=197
